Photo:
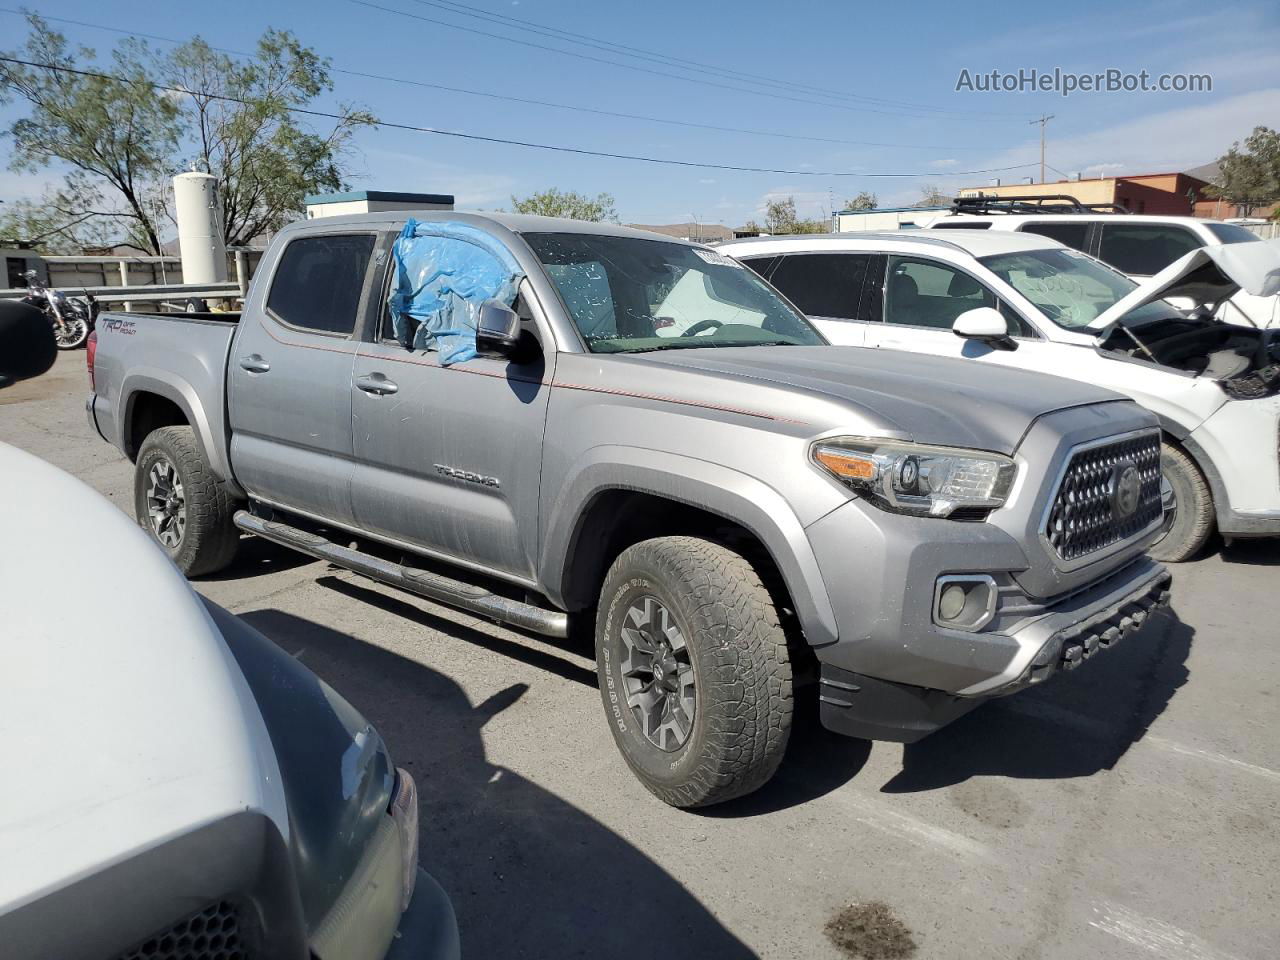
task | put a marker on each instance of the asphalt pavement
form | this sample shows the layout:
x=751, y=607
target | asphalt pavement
x=1129, y=809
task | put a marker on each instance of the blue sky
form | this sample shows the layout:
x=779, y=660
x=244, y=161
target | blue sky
x=868, y=52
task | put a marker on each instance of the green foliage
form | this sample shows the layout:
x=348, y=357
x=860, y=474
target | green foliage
x=1250, y=176
x=117, y=137
x=574, y=206
x=780, y=218
x=244, y=133
x=123, y=140
x=863, y=201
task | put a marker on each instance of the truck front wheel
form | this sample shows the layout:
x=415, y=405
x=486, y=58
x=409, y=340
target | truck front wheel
x=181, y=504
x=694, y=670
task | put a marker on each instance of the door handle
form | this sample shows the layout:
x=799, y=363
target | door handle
x=254, y=364
x=376, y=384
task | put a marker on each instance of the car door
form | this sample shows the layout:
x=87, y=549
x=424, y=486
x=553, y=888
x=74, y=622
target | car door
x=826, y=287
x=448, y=459
x=919, y=300
x=289, y=376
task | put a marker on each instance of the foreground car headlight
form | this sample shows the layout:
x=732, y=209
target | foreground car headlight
x=918, y=479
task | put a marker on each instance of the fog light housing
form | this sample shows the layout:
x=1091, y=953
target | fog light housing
x=964, y=601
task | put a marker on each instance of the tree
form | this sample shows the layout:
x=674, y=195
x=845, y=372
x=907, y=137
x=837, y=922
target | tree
x=244, y=133
x=1250, y=177
x=117, y=136
x=932, y=196
x=123, y=138
x=780, y=218
x=863, y=201
x=574, y=206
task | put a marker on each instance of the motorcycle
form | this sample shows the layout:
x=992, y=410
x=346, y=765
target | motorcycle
x=72, y=318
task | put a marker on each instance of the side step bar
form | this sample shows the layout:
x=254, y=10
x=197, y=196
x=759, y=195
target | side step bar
x=433, y=586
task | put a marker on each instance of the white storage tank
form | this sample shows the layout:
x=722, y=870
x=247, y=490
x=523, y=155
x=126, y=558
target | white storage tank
x=204, y=254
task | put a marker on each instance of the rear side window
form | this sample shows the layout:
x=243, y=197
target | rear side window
x=318, y=283
x=1074, y=234
x=961, y=225
x=823, y=284
x=1142, y=249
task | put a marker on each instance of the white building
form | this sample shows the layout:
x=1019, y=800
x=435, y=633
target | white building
x=886, y=218
x=373, y=201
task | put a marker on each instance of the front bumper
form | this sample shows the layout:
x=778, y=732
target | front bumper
x=428, y=929
x=1054, y=636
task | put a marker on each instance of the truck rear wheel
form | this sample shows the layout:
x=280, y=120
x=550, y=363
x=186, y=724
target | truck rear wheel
x=694, y=670
x=181, y=504
x=1192, y=522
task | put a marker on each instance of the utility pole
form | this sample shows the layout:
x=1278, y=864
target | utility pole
x=1042, y=121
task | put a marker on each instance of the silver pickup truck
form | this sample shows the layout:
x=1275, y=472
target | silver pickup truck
x=573, y=427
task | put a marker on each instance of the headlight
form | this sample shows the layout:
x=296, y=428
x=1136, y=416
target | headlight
x=914, y=478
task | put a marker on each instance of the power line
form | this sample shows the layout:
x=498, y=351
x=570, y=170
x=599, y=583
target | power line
x=525, y=100
x=598, y=43
x=631, y=66
x=559, y=148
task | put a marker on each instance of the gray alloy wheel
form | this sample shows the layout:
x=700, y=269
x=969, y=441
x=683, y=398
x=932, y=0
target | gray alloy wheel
x=166, y=503
x=658, y=674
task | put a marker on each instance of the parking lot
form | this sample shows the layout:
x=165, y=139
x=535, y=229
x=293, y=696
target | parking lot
x=1126, y=810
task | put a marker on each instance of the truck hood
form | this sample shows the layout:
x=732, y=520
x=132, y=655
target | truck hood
x=1207, y=276
x=936, y=400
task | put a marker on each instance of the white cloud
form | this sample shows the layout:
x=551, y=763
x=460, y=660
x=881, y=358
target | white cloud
x=949, y=162
x=707, y=180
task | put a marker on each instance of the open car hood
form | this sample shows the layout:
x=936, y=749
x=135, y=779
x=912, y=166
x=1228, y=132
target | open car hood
x=1207, y=276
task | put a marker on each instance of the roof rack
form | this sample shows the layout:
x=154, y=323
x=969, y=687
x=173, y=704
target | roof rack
x=1031, y=203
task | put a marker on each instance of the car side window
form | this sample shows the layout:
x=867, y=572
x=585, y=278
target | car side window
x=1074, y=234
x=1143, y=249
x=761, y=265
x=925, y=293
x=318, y=282
x=823, y=284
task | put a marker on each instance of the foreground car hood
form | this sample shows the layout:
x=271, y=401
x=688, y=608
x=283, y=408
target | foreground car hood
x=1207, y=276
x=929, y=399
x=126, y=720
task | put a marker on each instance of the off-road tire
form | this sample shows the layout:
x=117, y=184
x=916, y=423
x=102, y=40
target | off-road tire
x=210, y=539
x=1193, y=522
x=742, y=669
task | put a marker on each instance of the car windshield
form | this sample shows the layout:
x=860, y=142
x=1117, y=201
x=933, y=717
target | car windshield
x=1070, y=288
x=631, y=295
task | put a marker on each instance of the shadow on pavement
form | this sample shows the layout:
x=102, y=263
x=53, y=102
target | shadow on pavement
x=507, y=648
x=256, y=557
x=1076, y=725
x=1260, y=552
x=529, y=874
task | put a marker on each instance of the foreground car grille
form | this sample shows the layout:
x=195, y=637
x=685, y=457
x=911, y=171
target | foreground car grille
x=215, y=933
x=1087, y=513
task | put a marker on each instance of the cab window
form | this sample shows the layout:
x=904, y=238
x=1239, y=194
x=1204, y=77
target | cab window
x=1144, y=249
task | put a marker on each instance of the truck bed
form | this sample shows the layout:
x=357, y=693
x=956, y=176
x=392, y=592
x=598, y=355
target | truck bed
x=176, y=357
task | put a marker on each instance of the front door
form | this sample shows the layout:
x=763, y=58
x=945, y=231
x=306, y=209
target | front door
x=289, y=376
x=448, y=459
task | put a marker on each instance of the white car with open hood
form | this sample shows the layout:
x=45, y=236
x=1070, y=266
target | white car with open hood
x=1023, y=300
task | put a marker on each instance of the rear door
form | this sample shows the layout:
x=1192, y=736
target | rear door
x=448, y=459
x=289, y=376
x=826, y=287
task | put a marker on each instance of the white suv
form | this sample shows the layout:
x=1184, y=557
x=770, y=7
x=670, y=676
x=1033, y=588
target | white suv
x=1026, y=301
x=1137, y=245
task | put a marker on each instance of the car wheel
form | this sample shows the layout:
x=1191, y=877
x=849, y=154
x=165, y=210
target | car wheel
x=694, y=670
x=1186, y=532
x=181, y=504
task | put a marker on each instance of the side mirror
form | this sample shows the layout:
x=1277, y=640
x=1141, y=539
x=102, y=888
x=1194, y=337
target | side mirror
x=27, y=345
x=498, y=332
x=986, y=325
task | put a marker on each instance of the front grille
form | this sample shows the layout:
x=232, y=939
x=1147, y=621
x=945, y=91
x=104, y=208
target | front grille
x=1083, y=516
x=215, y=933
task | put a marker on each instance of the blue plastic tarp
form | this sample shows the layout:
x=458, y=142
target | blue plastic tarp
x=444, y=270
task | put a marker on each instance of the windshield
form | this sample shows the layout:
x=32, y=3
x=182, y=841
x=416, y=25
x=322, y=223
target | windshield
x=1232, y=233
x=1069, y=287
x=629, y=295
